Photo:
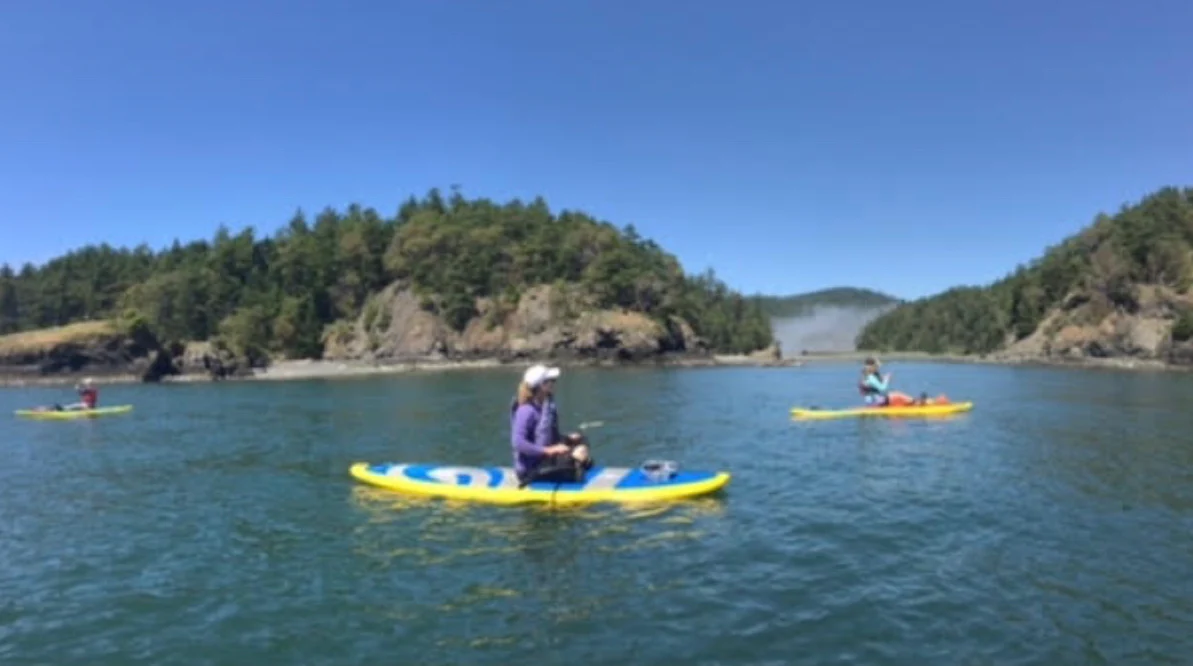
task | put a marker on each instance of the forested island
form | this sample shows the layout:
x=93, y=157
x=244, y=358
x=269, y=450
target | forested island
x=445, y=278
x=1119, y=289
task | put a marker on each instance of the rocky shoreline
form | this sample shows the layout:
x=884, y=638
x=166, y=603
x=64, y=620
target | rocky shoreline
x=288, y=370
x=1075, y=362
x=395, y=333
x=305, y=369
x=112, y=354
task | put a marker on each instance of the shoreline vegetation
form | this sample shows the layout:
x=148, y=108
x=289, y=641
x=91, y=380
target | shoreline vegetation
x=300, y=369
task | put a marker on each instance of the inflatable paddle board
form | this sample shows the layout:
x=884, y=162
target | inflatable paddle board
x=65, y=415
x=499, y=485
x=946, y=409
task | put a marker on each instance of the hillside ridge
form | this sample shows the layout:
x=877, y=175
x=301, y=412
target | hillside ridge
x=1118, y=289
x=795, y=305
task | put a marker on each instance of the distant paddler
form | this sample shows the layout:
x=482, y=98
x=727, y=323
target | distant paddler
x=88, y=395
x=876, y=389
x=88, y=398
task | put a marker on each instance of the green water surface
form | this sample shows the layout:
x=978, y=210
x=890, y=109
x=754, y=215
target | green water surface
x=217, y=524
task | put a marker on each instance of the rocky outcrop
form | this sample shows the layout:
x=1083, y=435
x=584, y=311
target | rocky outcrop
x=396, y=327
x=1087, y=327
x=772, y=356
x=111, y=349
x=209, y=359
x=546, y=321
x=98, y=348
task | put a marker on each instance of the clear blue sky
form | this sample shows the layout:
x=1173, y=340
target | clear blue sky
x=905, y=146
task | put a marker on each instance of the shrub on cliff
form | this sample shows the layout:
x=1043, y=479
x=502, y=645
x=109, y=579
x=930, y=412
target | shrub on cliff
x=138, y=330
x=1182, y=329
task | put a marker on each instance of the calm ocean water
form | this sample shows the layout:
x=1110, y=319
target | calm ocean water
x=216, y=524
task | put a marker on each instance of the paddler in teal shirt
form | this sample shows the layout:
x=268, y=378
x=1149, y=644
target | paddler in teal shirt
x=876, y=388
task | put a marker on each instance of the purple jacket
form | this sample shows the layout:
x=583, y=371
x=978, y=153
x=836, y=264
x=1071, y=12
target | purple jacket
x=526, y=436
x=547, y=432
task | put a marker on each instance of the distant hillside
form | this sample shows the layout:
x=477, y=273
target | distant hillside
x=1119, y=288
x=800, y=305
x=446, y=277
x=823, y=321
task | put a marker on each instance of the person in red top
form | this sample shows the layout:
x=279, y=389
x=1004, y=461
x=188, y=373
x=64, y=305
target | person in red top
x=88, y=393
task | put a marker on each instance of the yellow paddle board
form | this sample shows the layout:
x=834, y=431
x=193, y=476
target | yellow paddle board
x=71, y=414
x=499, y=485
x=947, y=409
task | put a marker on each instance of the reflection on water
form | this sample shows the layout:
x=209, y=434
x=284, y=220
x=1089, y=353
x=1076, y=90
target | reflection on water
x=446, y=531
x=550, y=565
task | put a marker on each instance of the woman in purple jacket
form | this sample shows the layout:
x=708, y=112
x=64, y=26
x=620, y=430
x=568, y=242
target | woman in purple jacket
x=540, y=454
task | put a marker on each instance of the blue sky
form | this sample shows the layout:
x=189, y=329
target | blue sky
x=791, y=146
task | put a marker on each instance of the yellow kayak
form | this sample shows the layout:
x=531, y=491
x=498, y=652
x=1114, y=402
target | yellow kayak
x=71, y=414
x=902, y=411
x=499, y=485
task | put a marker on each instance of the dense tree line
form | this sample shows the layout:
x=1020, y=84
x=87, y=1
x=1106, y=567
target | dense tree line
x=803, y=304
x=280, y=293
x=1099, y=268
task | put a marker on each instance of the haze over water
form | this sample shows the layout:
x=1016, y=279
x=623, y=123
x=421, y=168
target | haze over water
x=217, y=524
x=826, y=328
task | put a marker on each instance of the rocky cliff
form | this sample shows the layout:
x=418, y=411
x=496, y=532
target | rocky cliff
x=110, y=348
x=1087, y=327
x=396, y=326
x=1122, y=288
x=98, y=348
x=546, y=321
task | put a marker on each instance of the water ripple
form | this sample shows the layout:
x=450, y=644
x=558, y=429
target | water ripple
x=218, y=525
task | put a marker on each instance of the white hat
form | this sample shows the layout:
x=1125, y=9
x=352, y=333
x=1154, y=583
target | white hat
x=88, y=381
x=537, y=374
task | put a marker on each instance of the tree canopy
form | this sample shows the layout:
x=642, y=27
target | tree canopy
x=1150, y=242
x=279, y=293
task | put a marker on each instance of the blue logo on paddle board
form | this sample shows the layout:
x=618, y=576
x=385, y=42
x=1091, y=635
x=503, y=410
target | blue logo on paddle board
x=598, y=478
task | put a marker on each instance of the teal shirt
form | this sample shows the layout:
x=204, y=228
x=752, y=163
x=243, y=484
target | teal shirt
x=875, y=382
x=877, y=387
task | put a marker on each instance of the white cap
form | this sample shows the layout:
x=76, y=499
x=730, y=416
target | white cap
x=537, y=374
x=88, y=381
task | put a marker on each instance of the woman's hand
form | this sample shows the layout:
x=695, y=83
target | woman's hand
x=556, y=449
